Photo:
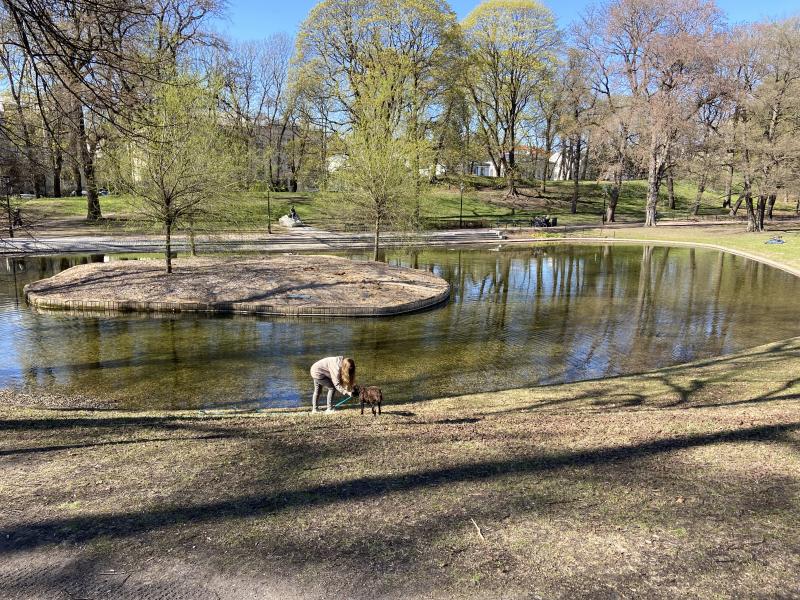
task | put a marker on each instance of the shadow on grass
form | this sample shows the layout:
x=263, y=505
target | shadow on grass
x=166, y=422
x=35, y=450
x=27, y=536
x=682, y=386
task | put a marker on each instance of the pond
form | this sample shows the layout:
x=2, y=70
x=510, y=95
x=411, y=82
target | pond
x=518, y=316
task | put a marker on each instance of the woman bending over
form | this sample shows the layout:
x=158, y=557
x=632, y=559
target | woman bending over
x=337, y=373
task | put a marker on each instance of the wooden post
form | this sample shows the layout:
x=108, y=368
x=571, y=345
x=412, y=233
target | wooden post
x=6, y=185
x=269, y=210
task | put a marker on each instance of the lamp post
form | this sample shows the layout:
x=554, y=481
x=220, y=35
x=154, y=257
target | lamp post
x=7, y=190
x=461, y=206
x=269, y=208
x=603, y=218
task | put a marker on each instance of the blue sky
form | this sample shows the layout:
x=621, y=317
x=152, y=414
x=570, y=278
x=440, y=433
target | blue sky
x=254, y=19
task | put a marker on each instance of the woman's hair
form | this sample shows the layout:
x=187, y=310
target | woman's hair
x=348, y=373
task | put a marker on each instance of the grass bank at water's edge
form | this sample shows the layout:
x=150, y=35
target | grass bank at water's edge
x=731, y=237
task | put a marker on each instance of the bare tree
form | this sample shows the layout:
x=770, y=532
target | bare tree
x=663, y=55
x=21, y=130
x=577, y=99
x=96, y=61
x=258, y=97
x=547, y=110
x=768, y=104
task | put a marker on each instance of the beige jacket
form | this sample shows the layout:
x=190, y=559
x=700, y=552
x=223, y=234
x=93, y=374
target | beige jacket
x=330, y=368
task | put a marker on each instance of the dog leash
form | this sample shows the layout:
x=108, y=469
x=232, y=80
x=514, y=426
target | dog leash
x=338, y=404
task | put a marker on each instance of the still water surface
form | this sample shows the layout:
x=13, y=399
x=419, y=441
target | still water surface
x=517, y=317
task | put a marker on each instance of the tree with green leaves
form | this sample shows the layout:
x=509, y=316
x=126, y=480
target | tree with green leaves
x=378, y=179
x=382, y=67
x=181, y=167
x=341, y=40
x=511, y=46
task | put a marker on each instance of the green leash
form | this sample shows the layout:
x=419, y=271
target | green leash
x=342, y=401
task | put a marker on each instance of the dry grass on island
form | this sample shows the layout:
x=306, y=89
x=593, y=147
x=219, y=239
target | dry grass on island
x=298, y=285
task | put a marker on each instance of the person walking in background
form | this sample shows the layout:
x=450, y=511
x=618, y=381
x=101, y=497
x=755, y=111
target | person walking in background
x=337, y=373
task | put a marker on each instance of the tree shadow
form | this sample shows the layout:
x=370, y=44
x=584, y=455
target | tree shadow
x=689, y=386
x=211, y=425
x=120, y=525
x=39, y=449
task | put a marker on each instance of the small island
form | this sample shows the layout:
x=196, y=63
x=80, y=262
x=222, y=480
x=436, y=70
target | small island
x=291, y=285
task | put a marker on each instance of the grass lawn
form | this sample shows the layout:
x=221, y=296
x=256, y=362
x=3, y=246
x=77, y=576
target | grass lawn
x=489, y=202
x=249, y=209
x=484, y=201
x=683, y=482
x=727, y=236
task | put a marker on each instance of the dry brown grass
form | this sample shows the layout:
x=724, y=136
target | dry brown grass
x=683, y=482
x=277, y=284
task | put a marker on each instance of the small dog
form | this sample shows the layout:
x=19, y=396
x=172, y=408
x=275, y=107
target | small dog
x=371, y=395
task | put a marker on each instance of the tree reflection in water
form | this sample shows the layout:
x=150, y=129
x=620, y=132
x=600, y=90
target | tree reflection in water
x=517, y=317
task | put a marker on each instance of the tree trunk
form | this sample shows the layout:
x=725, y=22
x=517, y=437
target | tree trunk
x=585, y=161
x=728, y=187
x=543, y=185
x=771, y=205
x=576, y=172
x=548, y=150
x=752, y=220
x=652, y=198
x=510, y=167
x=762, y=206
x=512, y=162
x=611, y=209
x=376, y=246
x=566, y=158
x=93, y=212
x=9, y=214
x=37, y=184
x=671, y=190
x=735, y=207
x=168, y=245
x=192, y=244
x=58, y=162
x=701, y=187
x=87, y=158
x=658, y=155
x=76, y=175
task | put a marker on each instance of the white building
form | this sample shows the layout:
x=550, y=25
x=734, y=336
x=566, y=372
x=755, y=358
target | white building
x=530, y=162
